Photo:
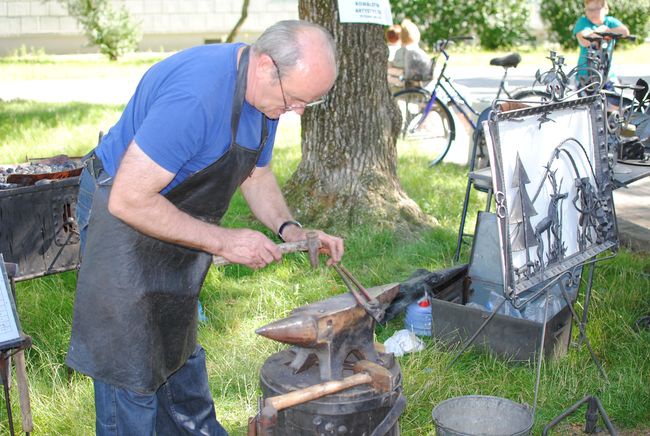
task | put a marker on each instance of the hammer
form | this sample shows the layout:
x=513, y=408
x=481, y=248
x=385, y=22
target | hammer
x=311, y=245
x=366, y=372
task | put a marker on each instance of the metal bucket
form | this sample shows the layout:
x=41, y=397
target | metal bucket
x=479, y=415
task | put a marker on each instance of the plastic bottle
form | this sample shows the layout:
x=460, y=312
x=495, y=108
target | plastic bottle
x=418, y=317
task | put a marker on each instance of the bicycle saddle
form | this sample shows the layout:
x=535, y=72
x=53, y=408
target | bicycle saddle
x=511, y=60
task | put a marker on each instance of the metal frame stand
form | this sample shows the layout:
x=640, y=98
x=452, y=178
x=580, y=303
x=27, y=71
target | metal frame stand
x=594, y=404
x=5, y=356
x=594, y=408
x=16, y=349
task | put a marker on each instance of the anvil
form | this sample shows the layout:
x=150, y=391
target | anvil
x=329, y=331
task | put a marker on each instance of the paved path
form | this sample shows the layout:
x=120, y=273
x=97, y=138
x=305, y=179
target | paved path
x=632, y=204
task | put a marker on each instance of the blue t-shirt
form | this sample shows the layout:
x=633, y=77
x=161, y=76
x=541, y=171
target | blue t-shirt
x=584, y=23
x=180, y=114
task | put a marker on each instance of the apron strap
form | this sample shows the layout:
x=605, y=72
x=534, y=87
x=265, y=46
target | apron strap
x=238, y=102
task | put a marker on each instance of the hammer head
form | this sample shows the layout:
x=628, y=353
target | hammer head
x=313, y=245
x=382, y=379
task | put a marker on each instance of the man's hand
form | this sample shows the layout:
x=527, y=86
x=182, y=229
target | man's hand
x=330, y=245
x=247, y=247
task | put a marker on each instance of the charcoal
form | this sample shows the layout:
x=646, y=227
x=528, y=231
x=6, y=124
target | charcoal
x=54, y=164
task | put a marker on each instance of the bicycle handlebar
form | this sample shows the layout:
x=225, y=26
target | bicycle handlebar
x=441, y=44
x=461, y=38
x=615, y=36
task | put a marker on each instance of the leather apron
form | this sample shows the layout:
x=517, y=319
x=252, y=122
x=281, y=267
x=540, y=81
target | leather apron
x=136, y=307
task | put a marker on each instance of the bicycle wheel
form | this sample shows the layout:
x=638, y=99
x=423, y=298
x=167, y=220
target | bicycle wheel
x=431, y=132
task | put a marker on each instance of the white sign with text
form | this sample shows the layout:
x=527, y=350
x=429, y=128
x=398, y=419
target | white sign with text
x=365, y=11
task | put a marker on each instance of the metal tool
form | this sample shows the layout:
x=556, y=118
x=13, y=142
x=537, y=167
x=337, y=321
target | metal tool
x=310, y=245
x=370, y=304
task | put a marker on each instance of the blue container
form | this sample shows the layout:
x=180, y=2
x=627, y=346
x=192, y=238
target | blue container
x=418, y=317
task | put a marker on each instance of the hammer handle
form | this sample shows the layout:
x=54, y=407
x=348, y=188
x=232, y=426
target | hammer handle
x=313, y=392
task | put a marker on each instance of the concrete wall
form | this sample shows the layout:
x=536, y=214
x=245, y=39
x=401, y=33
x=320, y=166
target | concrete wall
x=165, y=24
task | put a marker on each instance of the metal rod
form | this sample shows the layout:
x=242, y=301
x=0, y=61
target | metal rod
x=475, y=335
x=583, y=332
x=590, y=283
x=356, y=282
x=359, y=299
x=4, y=370
x=541, y=354
x=564, y=414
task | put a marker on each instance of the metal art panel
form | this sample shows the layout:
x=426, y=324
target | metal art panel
x=553, y=190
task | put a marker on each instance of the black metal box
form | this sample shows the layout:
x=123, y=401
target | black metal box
x=512, y=338
x=507, y=336
x=37, y=227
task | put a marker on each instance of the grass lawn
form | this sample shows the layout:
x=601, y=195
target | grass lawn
x=238, y=300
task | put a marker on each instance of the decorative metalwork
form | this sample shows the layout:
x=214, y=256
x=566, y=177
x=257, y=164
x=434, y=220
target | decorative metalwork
x=553, y=189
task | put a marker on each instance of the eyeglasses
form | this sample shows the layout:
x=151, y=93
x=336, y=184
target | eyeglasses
x=294, y=107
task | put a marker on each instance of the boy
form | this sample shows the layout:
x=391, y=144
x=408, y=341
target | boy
x=596, y=19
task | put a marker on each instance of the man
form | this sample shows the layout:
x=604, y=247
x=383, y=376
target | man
x=200, y=124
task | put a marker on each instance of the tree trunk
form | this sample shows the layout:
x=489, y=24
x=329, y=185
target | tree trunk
x=347, y=175
x=242, y=18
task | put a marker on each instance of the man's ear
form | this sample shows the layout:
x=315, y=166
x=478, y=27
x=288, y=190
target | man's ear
x=265, y=66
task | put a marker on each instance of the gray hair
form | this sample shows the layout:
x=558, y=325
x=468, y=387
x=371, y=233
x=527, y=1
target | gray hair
x=281, y=43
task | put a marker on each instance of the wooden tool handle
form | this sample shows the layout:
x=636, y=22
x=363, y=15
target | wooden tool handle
x=313, y=392
x=23, y=391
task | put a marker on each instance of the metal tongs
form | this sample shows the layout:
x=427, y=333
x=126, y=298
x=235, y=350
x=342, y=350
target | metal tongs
x=370, y=304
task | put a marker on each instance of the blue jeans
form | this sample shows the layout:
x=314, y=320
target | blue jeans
x=181, y=406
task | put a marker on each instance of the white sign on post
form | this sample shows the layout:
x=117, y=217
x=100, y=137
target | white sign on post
x=365, y=11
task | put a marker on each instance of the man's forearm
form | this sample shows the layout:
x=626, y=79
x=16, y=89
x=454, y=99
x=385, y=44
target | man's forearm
x=157, y=217
x=264, y=197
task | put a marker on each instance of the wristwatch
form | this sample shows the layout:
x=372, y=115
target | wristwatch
x=284, y=225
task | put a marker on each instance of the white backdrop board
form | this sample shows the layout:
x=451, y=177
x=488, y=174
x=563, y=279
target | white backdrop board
x=552, y=188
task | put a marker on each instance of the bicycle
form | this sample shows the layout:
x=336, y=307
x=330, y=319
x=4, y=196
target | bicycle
x=428, y=121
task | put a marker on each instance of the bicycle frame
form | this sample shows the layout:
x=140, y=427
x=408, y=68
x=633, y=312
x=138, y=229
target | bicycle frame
x=444, y=83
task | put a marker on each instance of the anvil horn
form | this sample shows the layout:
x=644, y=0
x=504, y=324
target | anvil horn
x=294, y=330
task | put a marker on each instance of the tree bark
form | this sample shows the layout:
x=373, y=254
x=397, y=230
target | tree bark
x=347, y=175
